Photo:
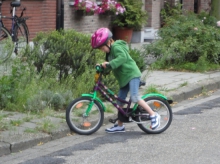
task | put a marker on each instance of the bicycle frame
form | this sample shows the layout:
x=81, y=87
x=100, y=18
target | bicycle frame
x=112, y=98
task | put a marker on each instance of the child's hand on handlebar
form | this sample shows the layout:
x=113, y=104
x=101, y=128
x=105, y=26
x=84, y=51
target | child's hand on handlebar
x=105, y=64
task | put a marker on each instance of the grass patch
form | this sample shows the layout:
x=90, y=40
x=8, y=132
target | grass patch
x=109, y=109
x=183, y=84
x=46, y=126
x=30, y=130
x=28, y=118
x=16, y=122
x=152, y=89
x=4, y=124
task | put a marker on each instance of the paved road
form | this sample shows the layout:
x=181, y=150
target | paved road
x=193, y=137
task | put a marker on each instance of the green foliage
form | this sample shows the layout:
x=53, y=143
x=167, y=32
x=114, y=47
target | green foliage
x=152, y=89
x=215, y=8
x=170, y=11
x=138, y=58
x=66, y=51
x=50, y=74
x=187, y=41
x=4, y=125
x=134, y=17
x=46, y=126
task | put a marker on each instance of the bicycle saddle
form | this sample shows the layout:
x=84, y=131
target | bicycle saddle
x=16, y=4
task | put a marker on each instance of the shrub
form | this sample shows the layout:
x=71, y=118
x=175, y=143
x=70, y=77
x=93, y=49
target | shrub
x=187, y=38
x=138, y=57
x=51, y=74
x=48, y=74
x=69, y=58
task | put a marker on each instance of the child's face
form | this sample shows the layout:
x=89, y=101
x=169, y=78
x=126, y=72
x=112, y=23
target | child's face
x=104, y=49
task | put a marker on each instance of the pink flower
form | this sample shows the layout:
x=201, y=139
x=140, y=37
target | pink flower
x=106, y=5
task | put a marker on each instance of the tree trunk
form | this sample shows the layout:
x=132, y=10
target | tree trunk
x=215, y=11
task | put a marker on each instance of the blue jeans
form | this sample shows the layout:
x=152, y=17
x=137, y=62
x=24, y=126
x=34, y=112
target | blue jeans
x=133, y=87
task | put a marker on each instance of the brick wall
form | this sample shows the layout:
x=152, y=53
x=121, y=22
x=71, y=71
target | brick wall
x=85, y=24
x=148, y=8
x=156, y=7
x=205, y=5
x=153, y=8
x=188, y=5
x=42, y=13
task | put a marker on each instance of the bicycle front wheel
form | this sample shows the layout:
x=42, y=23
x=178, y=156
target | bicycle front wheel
x=6, y=45
x=80, y=122
x=20, y=37
x=159, y=106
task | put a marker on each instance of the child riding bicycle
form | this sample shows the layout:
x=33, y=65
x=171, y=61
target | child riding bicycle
x=125, y=71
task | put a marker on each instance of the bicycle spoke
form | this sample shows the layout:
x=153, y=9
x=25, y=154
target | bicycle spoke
x=21, y=38
x=81, y=122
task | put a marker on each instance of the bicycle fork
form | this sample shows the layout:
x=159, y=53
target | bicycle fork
x=86, y=114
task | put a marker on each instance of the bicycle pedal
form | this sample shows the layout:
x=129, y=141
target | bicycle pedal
x=113, y=120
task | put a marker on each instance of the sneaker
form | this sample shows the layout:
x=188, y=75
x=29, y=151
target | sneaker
x=115, y=129
x=155, y=121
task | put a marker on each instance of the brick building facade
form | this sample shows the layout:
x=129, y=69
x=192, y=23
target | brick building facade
x=43, y=14
x=87, y=23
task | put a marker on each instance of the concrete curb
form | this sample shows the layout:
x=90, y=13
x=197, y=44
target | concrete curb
x=195, y=89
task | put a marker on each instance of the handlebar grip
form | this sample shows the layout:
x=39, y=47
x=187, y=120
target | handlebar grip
x=99, y=68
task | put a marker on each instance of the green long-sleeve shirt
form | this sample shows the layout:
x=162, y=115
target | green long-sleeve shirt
x=123, y=66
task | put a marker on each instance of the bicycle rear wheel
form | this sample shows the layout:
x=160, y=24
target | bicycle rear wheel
x=160, y=106
x=6, y=45
x=21, y=37
x=78, y=121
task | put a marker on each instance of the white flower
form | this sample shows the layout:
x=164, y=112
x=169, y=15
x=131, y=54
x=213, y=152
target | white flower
x=218, y=23
x=195, y=28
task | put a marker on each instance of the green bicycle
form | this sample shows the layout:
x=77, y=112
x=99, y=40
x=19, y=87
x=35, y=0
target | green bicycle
x=85, y=115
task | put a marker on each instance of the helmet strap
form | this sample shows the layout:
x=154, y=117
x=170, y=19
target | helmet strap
x=108, y=47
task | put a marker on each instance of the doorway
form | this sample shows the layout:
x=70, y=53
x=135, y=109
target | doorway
x=60, y=15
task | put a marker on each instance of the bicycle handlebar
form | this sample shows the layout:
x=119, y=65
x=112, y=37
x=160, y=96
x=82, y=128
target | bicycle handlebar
x=99, y=68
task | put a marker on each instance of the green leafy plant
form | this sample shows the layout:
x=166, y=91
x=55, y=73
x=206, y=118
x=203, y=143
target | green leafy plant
x=138, y=57
x=51, y=74
x=187, y=43
x=152, y=89
x=170, y=11
x=4, y=125
x=46, y=126
x=134, y=17
x=16, y=122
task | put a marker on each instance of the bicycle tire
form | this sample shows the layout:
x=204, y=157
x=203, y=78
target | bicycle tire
x=84, y=125
x=20, y=37
x=6, y=45
x=160, y=106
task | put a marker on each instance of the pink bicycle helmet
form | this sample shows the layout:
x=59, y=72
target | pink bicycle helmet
x=100, y=37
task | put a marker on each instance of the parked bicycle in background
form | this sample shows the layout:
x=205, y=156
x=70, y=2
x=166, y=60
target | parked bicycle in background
x=16, y=38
